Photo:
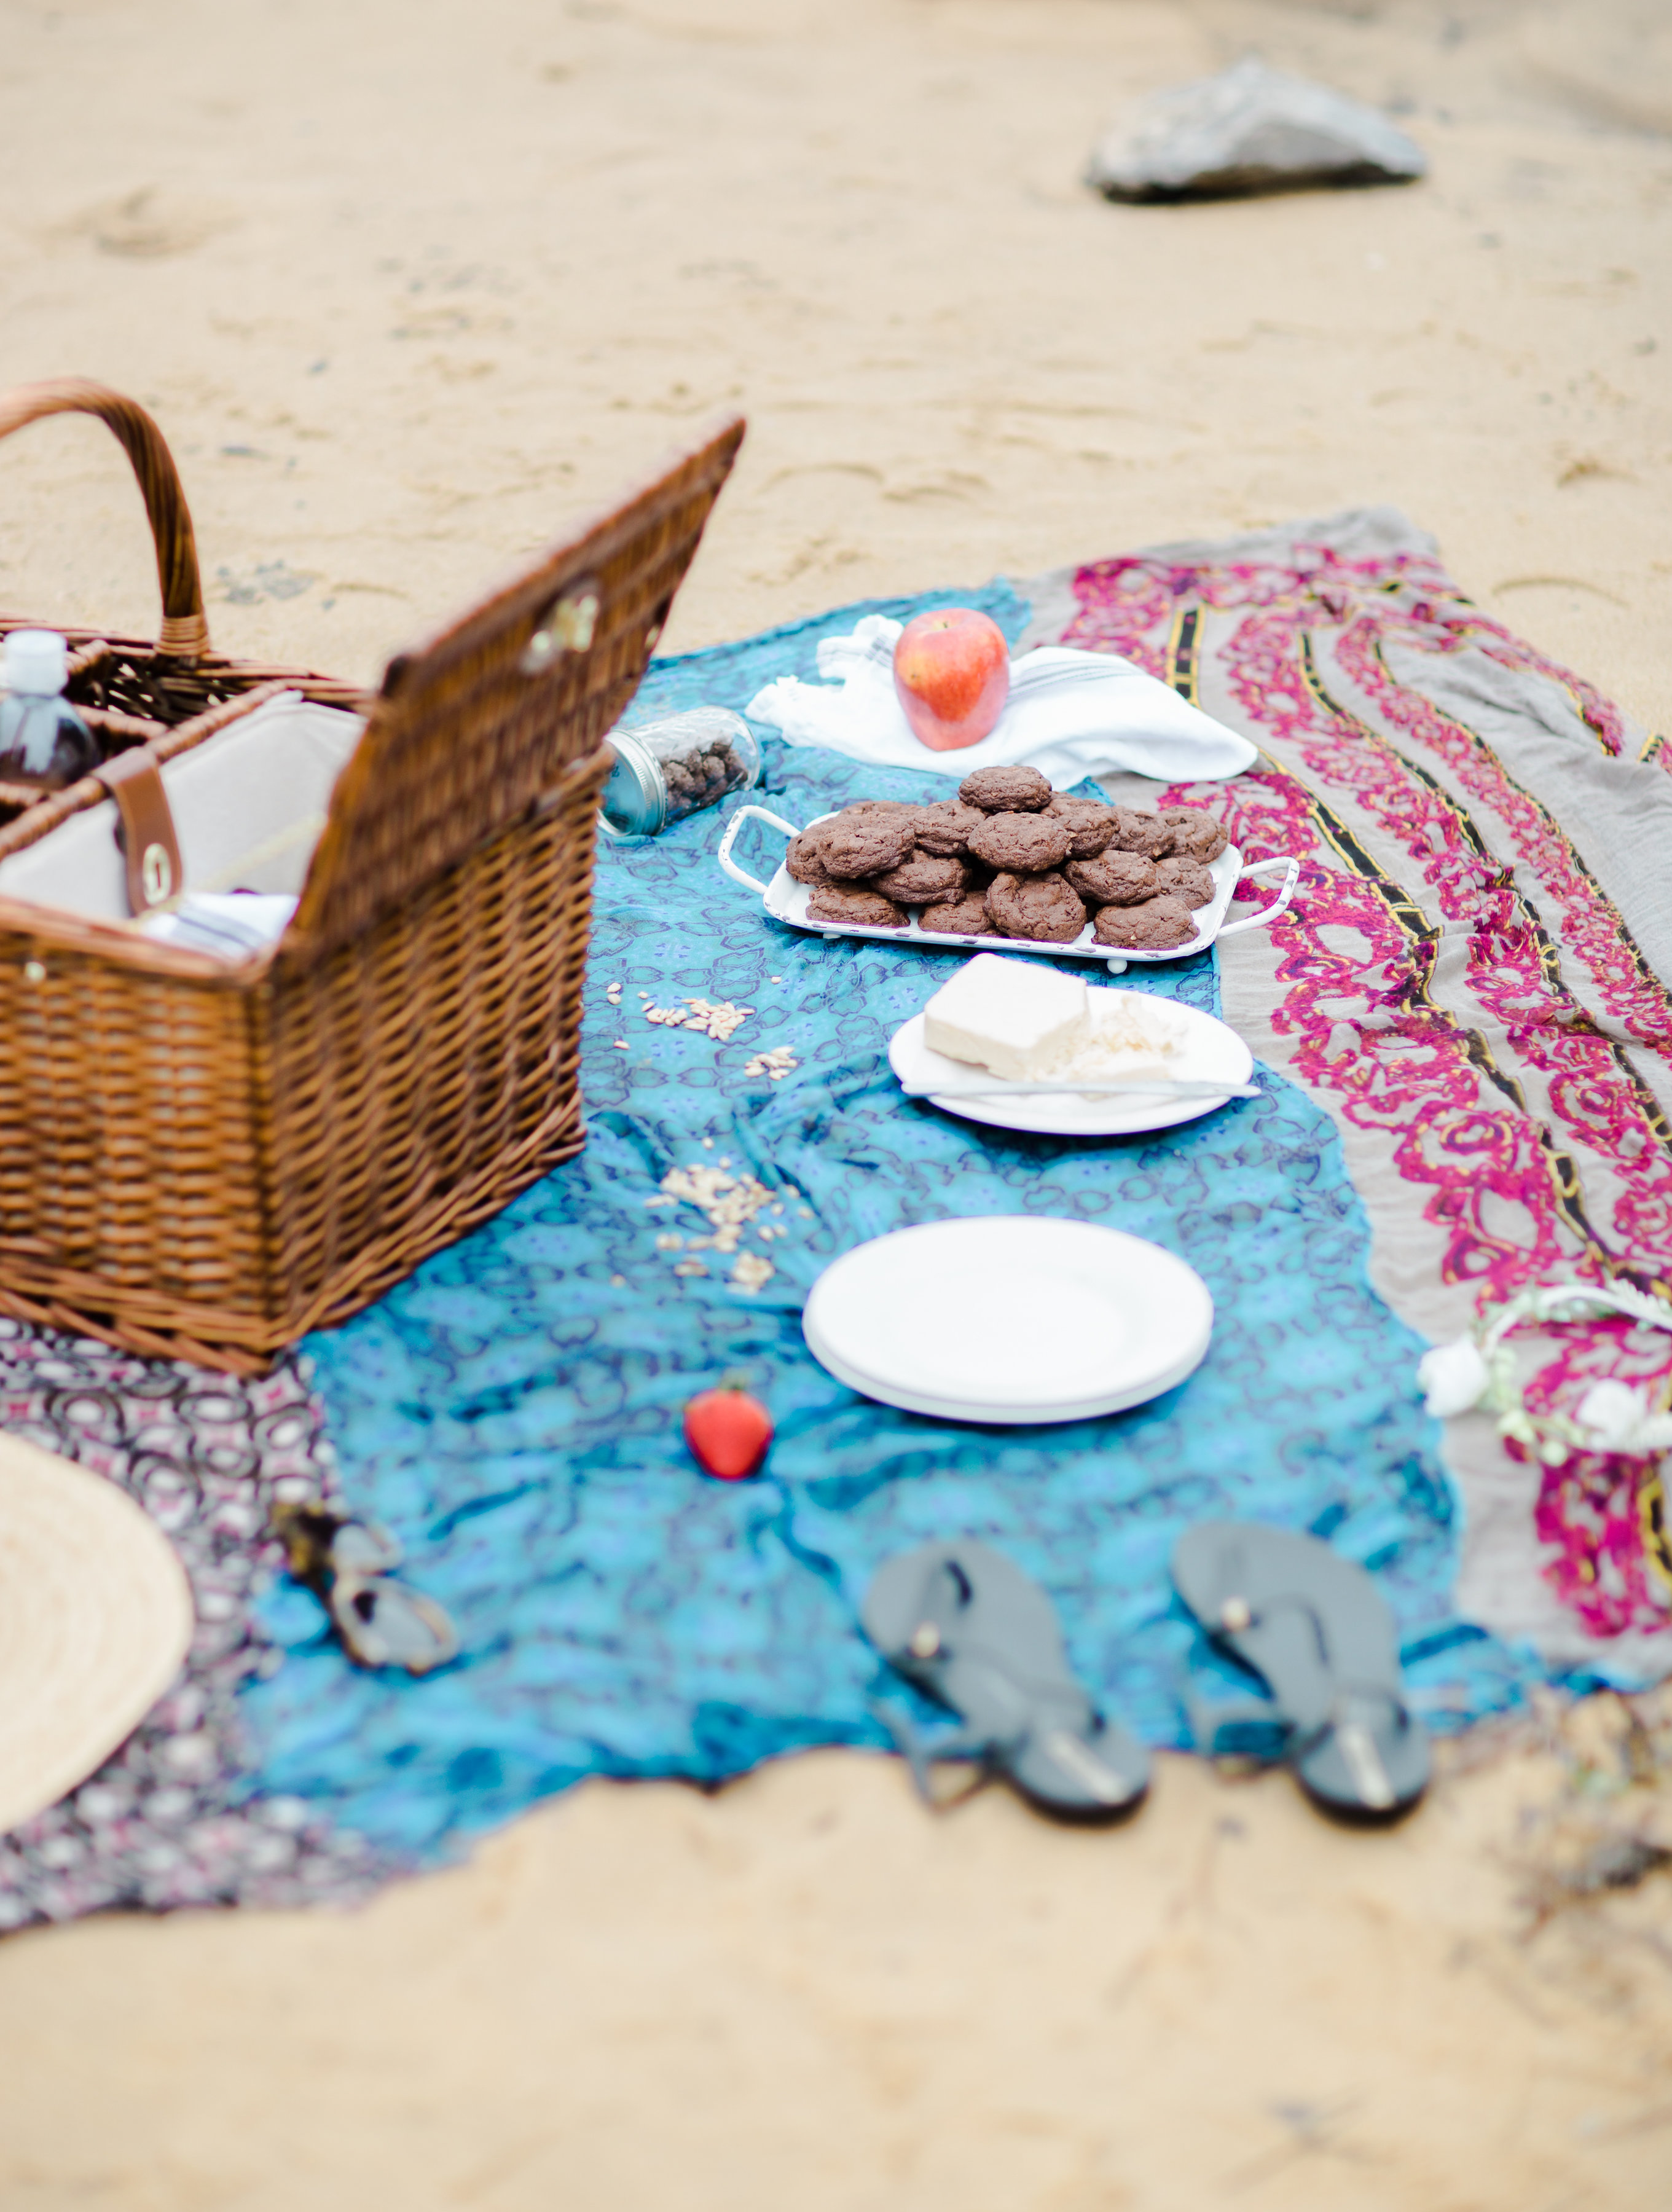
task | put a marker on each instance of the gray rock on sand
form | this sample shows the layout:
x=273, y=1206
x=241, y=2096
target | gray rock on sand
x=1249, y=130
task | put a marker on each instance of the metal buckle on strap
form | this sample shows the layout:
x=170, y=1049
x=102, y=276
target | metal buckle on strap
x=145, y=830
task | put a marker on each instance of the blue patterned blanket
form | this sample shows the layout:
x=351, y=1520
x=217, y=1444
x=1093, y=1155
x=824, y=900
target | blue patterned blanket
x=512, y=1410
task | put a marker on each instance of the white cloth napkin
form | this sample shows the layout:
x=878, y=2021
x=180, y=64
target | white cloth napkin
x=1070, y=714
x=233, y=924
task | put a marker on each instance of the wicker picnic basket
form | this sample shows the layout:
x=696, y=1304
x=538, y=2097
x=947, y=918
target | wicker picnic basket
x=202, y=1159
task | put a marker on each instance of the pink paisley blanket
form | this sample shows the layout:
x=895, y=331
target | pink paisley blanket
x=1470, y=982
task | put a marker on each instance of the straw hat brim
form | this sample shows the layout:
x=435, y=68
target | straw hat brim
x=96, y=1618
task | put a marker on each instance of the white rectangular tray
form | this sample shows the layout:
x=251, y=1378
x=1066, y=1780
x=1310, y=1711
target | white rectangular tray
x=786, y=901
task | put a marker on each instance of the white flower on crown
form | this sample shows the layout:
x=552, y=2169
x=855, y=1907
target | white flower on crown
x=1622, y=1420
x=1614, y=1416
x=1455, y=1376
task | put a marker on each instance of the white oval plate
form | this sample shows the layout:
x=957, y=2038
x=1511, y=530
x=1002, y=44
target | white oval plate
x=1009, y=1319
x=1208, y=1052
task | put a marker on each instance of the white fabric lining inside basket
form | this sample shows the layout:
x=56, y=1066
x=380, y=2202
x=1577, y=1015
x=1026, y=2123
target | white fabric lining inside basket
x=249, y=804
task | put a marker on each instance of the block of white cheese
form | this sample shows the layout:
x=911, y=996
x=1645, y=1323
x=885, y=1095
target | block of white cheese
x=1017, y=1017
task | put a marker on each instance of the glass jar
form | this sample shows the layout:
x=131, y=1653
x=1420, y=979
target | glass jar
x=676, y=766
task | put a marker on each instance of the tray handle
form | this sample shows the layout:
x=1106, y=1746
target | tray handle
x=185, y=631
x=1267, y=913
x=741, y=875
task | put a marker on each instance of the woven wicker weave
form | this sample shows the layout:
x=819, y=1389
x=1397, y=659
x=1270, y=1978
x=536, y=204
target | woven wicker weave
x=204, y=1161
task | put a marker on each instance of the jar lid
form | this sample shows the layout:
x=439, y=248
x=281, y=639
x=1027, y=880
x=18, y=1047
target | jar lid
x=634, y=800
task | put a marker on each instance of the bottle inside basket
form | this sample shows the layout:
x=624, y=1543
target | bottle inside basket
x=43, y=739
x=675, y=766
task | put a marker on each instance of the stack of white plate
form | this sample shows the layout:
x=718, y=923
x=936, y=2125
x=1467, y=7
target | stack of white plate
x=1009, y=1319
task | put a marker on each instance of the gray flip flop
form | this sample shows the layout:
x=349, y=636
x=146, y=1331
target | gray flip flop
x=967, y=1627
x=1315, y=1628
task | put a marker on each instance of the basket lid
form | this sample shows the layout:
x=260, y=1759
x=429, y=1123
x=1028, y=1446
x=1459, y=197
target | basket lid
x=479, y=724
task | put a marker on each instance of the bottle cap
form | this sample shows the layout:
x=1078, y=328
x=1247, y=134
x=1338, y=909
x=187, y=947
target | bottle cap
x=36, y=661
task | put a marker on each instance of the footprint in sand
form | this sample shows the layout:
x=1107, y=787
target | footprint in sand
x=146, y=225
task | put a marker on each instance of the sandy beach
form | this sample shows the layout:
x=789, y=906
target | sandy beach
x=406, y=286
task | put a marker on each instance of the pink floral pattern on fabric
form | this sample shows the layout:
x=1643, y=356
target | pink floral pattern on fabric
x=1549, y=1156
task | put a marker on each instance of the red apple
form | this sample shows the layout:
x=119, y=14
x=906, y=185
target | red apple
x=952, y=670
x=728, y=1432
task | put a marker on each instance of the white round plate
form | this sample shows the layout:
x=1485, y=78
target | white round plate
x=1208, y=1052
x=1009, y=1319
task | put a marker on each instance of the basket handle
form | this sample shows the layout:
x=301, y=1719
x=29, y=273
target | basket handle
x=185, y=631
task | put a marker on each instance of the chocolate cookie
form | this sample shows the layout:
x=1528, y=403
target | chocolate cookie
x=802, y=858
x=1154, y=927
x=1182, y=877
x=1043, y=908
x=1090, y=825
x=924, y=879
x=1006, y=790
x=857, y=904
x=856, y=844
x=945, y=828
x=1142, y=833
x=882, y=806
x=1195, y=832
x=960, y=917
x=1021, y=844
x=1113, y=879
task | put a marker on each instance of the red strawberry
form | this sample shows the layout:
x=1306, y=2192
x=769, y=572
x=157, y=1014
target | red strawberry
x=728, y=1432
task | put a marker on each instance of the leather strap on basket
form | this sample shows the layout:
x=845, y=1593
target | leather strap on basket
x=146, y=832
x=185, y=631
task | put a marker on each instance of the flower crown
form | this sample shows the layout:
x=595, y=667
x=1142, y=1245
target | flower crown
x=1479, y=1370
